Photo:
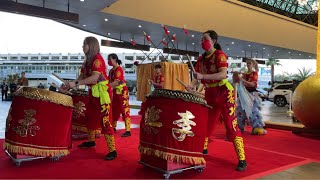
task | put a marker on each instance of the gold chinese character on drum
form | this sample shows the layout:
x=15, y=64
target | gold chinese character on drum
x=79, y=115
x=173, y=129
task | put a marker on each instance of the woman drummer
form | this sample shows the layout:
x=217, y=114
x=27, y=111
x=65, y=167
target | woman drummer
x=120, y=101
x=93, y=74
x=211, y=69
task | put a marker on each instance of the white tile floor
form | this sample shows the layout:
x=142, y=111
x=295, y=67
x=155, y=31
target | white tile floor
x=5, y=106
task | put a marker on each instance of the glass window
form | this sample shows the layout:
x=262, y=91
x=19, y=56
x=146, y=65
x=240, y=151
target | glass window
x=175, y=57
x=287, y=86
x=140, y=57
x=44, y=57
x=55, y=57
x=13, y=58
x=130, y=58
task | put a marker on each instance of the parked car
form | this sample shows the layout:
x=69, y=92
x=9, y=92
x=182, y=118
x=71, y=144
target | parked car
x=262, y=94
x=280, y=93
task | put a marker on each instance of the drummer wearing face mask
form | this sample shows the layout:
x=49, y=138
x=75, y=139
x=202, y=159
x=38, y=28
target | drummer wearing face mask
x=211, y=70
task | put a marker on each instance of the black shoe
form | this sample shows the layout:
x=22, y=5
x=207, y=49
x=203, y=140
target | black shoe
x=111, y=156
x=205, y=151
x=114, y=129
x=126, y=134
x=88, y=144
x=242, y=165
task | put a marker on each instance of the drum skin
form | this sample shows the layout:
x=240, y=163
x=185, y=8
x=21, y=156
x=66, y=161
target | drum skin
x=173, y=127
x=39, y=123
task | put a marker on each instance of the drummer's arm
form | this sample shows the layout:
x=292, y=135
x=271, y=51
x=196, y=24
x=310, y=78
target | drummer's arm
x=115, y=83
x=93, y=79
x=222, y=74
x=81, y=77
x=201, y=87
x=192, y=85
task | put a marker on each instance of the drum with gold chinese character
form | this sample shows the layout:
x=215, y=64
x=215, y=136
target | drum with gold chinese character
x=79, y=114
x=173, y=129
x=39, y=123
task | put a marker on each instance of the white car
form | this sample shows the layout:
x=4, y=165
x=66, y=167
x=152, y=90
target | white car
x=280, y=94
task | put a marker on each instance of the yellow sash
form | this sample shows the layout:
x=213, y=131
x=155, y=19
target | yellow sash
x=221, y=83
x=119, y=88
x=100, y=90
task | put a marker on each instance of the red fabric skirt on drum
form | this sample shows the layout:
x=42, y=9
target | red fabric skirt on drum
x=39, y=123
x=173, y=127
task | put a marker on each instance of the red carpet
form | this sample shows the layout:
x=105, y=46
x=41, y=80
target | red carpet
x=278, y=149
x=135, y=119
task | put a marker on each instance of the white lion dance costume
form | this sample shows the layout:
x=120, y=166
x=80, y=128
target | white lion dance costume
x=248, y=108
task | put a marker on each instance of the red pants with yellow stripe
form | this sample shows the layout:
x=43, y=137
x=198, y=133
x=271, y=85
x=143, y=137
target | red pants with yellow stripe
x=120, y=105
x=223, y=105
x=100, y=117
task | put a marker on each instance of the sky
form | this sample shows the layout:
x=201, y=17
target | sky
x=25, y=34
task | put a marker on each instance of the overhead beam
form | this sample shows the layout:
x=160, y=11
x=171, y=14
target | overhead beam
x=125, y=45
x=258, y=61
x=180, y=52
x=30, y=10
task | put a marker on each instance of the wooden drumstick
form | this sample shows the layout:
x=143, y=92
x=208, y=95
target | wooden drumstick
x=68, y=92
x=191, y=64
x=55, y=75
x=64, y=81
x=235, y=92
x=194, y=93
x=182, y=83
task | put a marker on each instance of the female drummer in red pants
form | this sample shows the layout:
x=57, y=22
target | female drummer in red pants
x=211, y=69
x=93, y=74
x=120, y=101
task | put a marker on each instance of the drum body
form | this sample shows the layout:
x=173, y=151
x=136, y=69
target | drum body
x=173, y=129
x=80, y=115
x=39, y=123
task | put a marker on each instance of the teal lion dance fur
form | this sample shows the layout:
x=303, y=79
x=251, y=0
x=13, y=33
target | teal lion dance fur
x=249, y=105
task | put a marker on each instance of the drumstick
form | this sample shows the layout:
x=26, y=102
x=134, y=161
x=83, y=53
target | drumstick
x=64, y=81
x=182, y=83
x=191, y=63
x=235, y=92
x=68, y=92
x=55, y=75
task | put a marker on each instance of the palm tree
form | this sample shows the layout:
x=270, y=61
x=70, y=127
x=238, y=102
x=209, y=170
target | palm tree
x=303, y=74
x=13, y=78
x=244, y=69
x=232, y=66
x=273, y=62
x=285, y=76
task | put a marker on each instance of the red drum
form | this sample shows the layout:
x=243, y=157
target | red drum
x=39, y=123
x=79, y=114
x=173, y=129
